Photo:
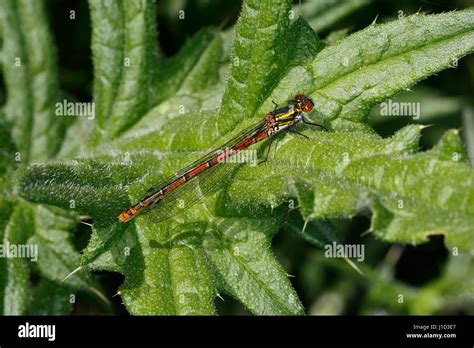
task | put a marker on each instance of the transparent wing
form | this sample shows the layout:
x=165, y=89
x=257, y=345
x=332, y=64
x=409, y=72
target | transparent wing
x=246, y=133
x=191, y=192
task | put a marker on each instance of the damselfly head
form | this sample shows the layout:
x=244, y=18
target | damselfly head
x=303, y=103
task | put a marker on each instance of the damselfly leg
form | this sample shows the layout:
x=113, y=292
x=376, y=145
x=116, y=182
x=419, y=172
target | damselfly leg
x=300, y=134
x=314, y=124
x=270, y=141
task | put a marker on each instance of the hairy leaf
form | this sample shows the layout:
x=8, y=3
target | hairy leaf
x=29, y=66
x=255, y=58
x=256, y=279
x=124, y=50
x=30, y=132
x=347, y=79
x=166, y=271
x=385, y=175
x=14, y=275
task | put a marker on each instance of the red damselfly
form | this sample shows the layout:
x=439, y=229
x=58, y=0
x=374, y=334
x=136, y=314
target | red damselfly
x=188, y=185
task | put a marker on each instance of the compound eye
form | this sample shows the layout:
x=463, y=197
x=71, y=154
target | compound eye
x=307, y=106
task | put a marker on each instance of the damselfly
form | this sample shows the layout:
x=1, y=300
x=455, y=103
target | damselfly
x=190, y=183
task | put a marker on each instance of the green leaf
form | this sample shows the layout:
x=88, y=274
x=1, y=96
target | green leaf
x=193, y=68
x=366, y=171
x=124, y=51
x=451, y=291
x=239, y=251
x=336, y=36
x=347, y=79
x=91, y=187
x=30, y=131
x=57, y=255
x=107, y=52
x=323, y=14
x=14, y=274
x=7, y=149
x=434, y=106
x=166, y=271
x=468, y=125
x=50, y=299
x=188, y=82
x=318, y=233
x=259, y=37
x=76, y=137
x=19, y=107
x=29, y=66
x=176, y=278
x=48, y=130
